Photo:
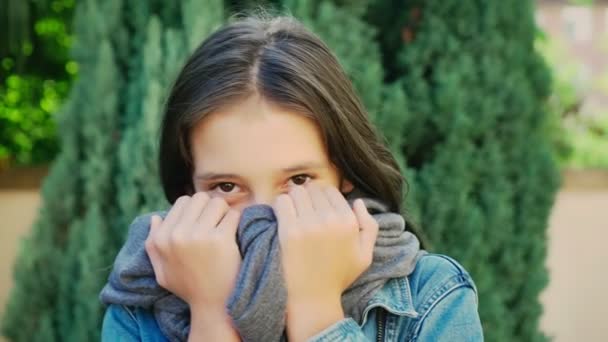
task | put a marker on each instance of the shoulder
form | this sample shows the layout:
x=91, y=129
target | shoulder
x=434, y=272
x=445, y=297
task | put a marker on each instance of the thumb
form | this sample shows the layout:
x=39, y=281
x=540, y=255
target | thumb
x=154, y=255
x=369, y=230
x=155, y=222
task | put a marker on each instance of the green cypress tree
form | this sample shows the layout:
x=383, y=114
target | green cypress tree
x=88, y=255
x=30, y=312
x=351, y=39
x=482, y=174
x=134, y=48
x=163, y=52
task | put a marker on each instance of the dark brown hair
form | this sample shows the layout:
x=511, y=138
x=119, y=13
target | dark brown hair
x=279, y=59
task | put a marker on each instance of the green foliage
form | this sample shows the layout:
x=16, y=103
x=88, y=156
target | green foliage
x=579, y=137
x=476, y=144
x=589, y=139
x=34, y=35
x=105, y=173
x=27, y=128
x=581, y=2
x=69, y=241
x=359, y=55
x=35, y=76
x=163, y=51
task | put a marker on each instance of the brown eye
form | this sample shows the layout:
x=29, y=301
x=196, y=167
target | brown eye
x=300, y=179
x=226, y=187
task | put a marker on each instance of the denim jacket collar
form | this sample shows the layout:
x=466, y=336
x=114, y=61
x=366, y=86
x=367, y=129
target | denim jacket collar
x=395, y=297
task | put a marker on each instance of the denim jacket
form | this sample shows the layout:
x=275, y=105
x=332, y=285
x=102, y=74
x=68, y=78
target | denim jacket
x=436, y=302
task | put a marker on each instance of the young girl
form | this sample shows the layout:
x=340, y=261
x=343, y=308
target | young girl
x=285, y=219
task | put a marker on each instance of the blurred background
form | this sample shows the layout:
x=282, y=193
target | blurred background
x=497, y=111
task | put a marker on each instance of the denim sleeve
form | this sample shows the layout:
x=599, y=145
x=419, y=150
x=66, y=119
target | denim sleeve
x=453, y=318
x=119, y=324
x=344, y=330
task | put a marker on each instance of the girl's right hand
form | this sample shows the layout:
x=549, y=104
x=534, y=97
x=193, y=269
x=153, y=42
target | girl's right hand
x=194, y=252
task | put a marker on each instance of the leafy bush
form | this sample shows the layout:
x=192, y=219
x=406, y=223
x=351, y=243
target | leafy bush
x=35, y=76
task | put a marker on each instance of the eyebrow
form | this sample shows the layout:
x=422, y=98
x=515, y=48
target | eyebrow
x=209, y=176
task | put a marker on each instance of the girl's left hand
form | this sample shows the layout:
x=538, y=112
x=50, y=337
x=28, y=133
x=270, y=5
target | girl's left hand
x=325, y=245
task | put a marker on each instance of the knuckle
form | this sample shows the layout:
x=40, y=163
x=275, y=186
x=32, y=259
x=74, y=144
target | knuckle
x=149, y=245
x=295, y=190
x=153, y=242
x=179, y=238
x=182, y=199
x=218, y=202
x=162, y=245
x=200, y=195
x=330, y=218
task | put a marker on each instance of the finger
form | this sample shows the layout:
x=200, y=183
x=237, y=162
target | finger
x=155, y=222
x=194, y=209
x=319, y=200
x=159, y=235
x=176, y=211
x=285, y=212
x=153, y=253
x=338, y=201
x=157, y=266
x=230, y=223
x=212, y=214
x=369, y=227
x=155, y=258
x=301, y=201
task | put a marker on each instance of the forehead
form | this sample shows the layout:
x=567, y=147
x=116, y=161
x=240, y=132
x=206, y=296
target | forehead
x=255, y=136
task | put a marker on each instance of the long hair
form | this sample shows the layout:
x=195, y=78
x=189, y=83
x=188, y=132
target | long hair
x=279, y=59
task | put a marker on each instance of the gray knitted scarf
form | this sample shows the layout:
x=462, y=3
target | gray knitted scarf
x=258, y=301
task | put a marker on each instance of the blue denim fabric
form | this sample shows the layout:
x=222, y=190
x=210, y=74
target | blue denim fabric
x=437, y=302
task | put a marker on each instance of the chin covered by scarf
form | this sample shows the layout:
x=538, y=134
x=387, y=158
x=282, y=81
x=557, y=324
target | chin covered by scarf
x=258, y=302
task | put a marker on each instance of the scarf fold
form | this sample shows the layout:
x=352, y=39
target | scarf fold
x=258, y=302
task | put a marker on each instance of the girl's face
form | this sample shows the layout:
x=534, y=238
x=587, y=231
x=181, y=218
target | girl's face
x=253, y=151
